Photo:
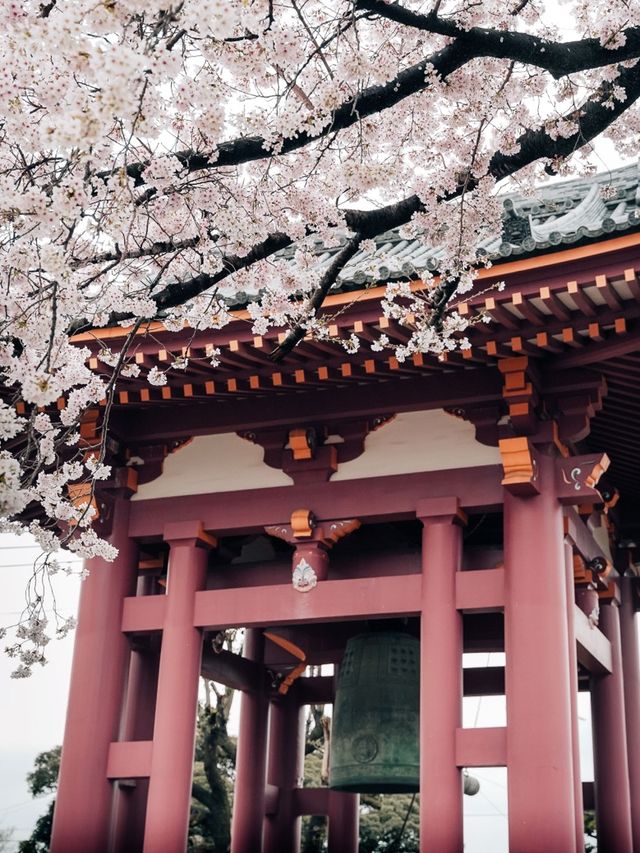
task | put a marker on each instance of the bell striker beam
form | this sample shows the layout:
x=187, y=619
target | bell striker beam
x=249, y=795
x=171, y=773
x=631, y=671
x=537, y=673
x=613, y=801
x=440, y=677
x=84, y=801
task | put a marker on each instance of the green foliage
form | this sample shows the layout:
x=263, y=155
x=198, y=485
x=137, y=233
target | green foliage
x=214, y=773
x=38, y=841
x=590, y=831
x=382, y=817
x=44, y=777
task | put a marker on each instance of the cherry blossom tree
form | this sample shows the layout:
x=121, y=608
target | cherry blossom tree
x=157, y=155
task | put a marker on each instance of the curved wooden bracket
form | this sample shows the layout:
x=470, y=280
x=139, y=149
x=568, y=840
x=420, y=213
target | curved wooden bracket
x=578, y=476
x=519, y=465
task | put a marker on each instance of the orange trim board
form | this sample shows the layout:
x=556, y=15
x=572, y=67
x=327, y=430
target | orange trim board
x=499, y=269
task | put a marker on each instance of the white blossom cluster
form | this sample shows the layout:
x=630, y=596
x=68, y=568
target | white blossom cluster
x=154, y=156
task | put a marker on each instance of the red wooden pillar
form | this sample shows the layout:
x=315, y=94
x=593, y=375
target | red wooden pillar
x=131, y=795
x=537, y=673
x=344, y=816
x=613, y=802
x=631, y=670
x=573, y=686
x=284, y=771
x=440, y=678
x=170, y=779
x=249, y=796
x=84, y=800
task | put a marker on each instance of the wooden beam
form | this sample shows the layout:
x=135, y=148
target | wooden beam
x=418, y=392
x=594, y=649
x=481, y=747
x=233, y=670
x=329, y=601
x=481, y=590
x=483, y=681
x=370, y=499
x=311, y=801
x=129, y=759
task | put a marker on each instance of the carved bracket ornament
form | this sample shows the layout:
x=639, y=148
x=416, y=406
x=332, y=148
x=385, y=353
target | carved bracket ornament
x=311, y=540
x=578, y=476
x=311, y=454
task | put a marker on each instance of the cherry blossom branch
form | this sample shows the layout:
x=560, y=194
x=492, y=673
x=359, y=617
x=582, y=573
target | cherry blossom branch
x=558, y=58
x=178, y=292
x=591, y=120
x=329, y=277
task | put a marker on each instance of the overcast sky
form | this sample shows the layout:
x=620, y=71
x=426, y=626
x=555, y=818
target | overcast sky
x=31, y=710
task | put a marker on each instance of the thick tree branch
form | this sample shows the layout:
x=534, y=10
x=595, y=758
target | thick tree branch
x=558, y=58
x=159, y=247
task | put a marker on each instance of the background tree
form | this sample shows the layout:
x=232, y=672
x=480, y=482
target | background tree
x=6, y=834
x=214, y=775
x=43, y=779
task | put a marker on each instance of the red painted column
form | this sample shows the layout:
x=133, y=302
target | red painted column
x=537, y=673
x=441, y=827
x=170, y=780
x=613, y=801
x=249, y=796
x=131, y=795
x=631, y=670
x=284, y=770
x=344, y=818
x=573, y=675
x=85, y=796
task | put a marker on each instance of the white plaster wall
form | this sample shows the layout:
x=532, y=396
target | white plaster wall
x=419, y=441
x=213, y=463
x=416, y=441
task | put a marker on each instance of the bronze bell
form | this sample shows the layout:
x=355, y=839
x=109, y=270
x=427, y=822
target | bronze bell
x=374, y=739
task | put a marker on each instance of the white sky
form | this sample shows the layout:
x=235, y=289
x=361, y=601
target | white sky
x=31, y=710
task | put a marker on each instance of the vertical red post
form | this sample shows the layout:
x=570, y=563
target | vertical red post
x=344, y=816
x=573, y=676
x=613, y=801
x=284, y=770
x=84, y=800
x=249, y=796
x=169, y=797
x=131, y=795
x=537, y=673
x=440, y=677
x=631, y=670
